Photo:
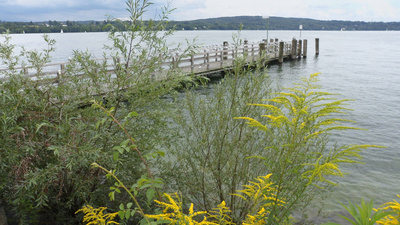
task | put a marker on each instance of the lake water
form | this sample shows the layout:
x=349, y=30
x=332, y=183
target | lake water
x=364, y=66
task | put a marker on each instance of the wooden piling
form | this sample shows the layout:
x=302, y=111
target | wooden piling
x=208, y=61
x=26, y=70
x=299, y=47
x=316, y=46
x=294, y=48
x=281, y=49
x=225, y=47
x=222, y=58
x=192, y=63
x=173, y=62
x=305, y=48
x=262, y=48
x=60, y=73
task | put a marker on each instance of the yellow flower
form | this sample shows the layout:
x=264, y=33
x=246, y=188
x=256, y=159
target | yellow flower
x=96, y=216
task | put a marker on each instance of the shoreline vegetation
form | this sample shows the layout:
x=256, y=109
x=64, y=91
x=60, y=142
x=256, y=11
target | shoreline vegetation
x=222, y=23
x=151, y=150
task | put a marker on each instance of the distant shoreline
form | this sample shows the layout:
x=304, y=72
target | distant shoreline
x=222, y=23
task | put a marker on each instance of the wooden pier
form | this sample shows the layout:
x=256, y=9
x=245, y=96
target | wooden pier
x=203, y=62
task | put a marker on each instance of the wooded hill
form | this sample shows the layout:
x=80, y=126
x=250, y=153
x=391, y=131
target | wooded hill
x=222, y=23
x=281, y=23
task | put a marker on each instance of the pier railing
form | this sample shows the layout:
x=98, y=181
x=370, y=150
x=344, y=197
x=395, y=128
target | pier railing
x=204, y=61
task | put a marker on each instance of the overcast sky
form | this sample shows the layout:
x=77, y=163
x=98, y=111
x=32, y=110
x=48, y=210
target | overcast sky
x=61, y=10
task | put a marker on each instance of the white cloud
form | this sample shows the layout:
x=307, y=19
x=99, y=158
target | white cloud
x=369, y=10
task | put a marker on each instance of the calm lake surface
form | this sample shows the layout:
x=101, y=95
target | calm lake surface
x=364, y=66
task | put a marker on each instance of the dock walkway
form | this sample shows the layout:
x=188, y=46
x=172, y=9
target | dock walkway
x=203, y=62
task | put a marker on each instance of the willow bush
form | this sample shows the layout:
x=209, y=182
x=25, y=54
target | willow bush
x=207, y=161
x=50, y=135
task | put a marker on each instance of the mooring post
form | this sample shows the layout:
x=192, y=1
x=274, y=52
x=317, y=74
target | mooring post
x=205, y=56
x=252, y=51
x=294, y=46
x=316, y=46
x=208, y=60
x=262, y=51
x=225, y=47
x=192, y=63
x=245, y=46
x=221, y=57
x=60, y=73
x=233, y=57
x=262, y=48
x=305, y=48
x=299, y=47
x=281, y=48
x=173, y=61
x=26, y=70
x=176, y=60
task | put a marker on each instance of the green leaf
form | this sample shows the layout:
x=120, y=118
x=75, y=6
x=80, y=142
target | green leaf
x=121, y=214
x=100, y=122
x=128, y=214
x=125, y=143
x=43, y=125
x=116, y=156
x=112, y=195
x=150, y=195
x=132, y=114
x=129, y=205
x=119, y=149
x=161, y=153
x=121, y=207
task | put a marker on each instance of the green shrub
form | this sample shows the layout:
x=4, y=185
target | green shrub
x=51, y=135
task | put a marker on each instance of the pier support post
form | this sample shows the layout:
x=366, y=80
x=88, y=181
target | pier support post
x=305, y=48
x=299, y=47
x=225, y=48
x=262, y=52
x=192, y=63
x=262, y=48
x=246, y=47
x=294, y=48
x=60, y=74
x=316, y=46
x=208, y=60
x=281, y=48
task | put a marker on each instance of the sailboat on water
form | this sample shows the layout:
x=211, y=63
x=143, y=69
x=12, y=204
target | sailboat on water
x=61, y=31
